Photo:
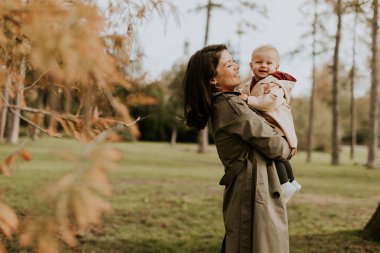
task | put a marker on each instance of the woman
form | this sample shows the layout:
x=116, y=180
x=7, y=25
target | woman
x=254, y=211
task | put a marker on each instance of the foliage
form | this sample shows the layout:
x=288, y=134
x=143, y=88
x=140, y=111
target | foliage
x=61, y=42
x=56, y=60
x=167, y=113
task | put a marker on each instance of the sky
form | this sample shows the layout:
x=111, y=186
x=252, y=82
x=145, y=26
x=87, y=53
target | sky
x=163, y=43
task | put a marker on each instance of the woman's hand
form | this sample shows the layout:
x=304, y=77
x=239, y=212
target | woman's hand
x=243, y=97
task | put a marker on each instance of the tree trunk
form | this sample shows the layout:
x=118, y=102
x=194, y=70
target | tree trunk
x=372, y=230
x=88, y=109
x=203, y=140
x=52, y=104
x=309, y=142
x=203, y=134
x=67, y=99
x=352, y=82
x=373, y=121
x=335, y=91
x=14, y=135
x=353, y=114
x=4, y=113
x=208, y=17
x=173, y=139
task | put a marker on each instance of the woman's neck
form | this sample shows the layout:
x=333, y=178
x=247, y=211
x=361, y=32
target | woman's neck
x=227, y=89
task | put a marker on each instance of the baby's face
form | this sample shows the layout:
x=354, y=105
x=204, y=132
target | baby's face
x=263, y=63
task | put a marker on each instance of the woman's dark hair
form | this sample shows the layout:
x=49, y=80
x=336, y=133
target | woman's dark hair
x=197, y=88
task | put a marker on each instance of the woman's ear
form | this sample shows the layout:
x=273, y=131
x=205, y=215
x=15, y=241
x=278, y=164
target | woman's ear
x=213, y=82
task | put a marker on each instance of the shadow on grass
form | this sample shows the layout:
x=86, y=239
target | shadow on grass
x=148, y=245
x=339, y=242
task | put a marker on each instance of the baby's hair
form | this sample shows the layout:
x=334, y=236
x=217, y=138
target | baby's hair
x=267, y=47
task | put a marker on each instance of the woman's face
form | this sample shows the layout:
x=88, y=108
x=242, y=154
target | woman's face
x=228, y=76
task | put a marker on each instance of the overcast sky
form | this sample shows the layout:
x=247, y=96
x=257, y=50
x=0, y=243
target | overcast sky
x=163, y=45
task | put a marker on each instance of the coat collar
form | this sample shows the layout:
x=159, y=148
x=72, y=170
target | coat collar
x=226, y=93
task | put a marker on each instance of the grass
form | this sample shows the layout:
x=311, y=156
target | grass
x=167, y=199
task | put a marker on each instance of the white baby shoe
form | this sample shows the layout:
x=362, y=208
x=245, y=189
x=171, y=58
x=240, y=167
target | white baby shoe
x=296, y=184
x=288, y=189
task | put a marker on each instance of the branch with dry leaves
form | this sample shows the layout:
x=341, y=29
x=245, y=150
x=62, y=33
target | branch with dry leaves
x=73, y=125
x=77, y=200
x=9, y=222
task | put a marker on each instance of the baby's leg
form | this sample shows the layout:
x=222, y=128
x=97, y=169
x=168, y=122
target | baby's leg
x=281, y=172
x=287, y=188
x=289, y=171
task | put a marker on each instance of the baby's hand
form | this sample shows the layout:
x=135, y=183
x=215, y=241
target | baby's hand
x=244, y=97
x=268, y=86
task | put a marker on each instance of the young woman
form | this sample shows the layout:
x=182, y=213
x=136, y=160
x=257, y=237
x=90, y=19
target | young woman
x=254, y=210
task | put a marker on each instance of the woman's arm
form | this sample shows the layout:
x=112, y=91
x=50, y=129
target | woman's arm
x=256, y=132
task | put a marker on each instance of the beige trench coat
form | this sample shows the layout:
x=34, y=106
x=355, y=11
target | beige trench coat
x=254, y=210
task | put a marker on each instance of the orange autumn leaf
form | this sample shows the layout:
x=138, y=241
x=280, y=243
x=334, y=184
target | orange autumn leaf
x=28, y=233
x=114, y=138
x=47, y=242
x=4, y=169
x=2, y=248
x=11, y=159
x=8, y=220
x=25, y=155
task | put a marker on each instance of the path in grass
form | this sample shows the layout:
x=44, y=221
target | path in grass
x=167, y=199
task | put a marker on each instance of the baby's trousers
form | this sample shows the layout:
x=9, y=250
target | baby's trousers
x=284, y=171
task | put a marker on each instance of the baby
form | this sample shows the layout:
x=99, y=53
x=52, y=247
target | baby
x=269, y=93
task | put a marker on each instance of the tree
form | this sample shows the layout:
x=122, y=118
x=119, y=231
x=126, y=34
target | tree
x=174, y=105
x=203, y=134
x=309, y=142
x=356, y=7
x=317, y=37
x=373, y=113
x=336, y=88
x=372, y=230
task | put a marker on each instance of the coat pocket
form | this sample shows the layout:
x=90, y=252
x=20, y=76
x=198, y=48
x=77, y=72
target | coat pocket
x=232, y=171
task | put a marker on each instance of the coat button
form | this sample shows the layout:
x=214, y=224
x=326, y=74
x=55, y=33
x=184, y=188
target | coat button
x=275, y=195
x=268, y=163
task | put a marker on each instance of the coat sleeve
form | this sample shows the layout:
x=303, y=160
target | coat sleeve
x=267, y=102
x=256, y=132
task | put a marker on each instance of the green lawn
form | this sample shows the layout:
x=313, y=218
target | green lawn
x=167, y=199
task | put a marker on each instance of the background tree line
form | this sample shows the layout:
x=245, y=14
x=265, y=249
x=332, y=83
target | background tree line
x=333, y=113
